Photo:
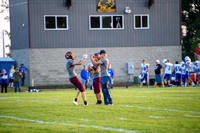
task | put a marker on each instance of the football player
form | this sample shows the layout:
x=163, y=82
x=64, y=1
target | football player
x=183, y=73
x=96, y=79
x=197, y=71
x=70, y=65
x=168, y=72
x=145, y=71
x=177, y=69
x=105, y=76
x=188, y=66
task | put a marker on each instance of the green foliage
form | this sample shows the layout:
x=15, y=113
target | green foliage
x=153, y=110
x=190, y=19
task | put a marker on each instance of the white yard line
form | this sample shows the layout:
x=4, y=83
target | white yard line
x=157, y=117
x=191, y=116
x=69, y=124
x=128, y=106
x=121, y=118
x=41, y=101
x=158, y=97
x=164, y=109
x=84, y=120
x=8, y=97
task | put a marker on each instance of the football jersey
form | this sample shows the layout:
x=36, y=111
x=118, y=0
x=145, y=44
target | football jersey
x=96, y=74
x=188, y=66
x=144, y=67
x=70, y=68
x=197, y=69
x=168, y=68
x=183, y=69
x=177, y=68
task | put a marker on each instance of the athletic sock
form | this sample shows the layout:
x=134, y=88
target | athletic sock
x=85, y=102
x=76, y=99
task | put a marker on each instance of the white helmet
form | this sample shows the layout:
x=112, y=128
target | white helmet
x=173, y=78
x=187, y=58
x=182, y=62
x=197, y=62
x=164, y=61
x=141, y=76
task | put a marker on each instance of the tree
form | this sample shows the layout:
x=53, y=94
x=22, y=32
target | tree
x=5, y=7
x=191, y=20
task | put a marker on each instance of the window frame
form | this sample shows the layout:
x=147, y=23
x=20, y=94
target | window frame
x=101, y=22
x=56, y=16
x=141, y=15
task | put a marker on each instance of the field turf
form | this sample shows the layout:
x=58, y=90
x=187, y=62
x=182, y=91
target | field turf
x=152, y=110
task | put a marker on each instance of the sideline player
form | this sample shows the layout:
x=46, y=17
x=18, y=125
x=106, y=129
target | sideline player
x=168, y=72
x=188, y=66
x=197, y=71
x=70, y=65
x=105, y=76
x=177, y=69
x=183, y=73
x=145, y=71
x=96, y=79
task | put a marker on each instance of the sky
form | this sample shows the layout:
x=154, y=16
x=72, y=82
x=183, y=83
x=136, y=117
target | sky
x=4, y=25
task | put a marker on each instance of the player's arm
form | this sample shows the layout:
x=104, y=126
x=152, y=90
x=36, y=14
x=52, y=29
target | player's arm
x=94, y=62
x=161, y=71
x=79, y=62
x=147, y=69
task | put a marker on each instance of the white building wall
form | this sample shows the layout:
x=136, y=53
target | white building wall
x=47, y=66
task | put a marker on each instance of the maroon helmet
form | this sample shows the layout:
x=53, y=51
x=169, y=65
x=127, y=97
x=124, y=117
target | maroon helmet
x=97, y=56
x=70, y=55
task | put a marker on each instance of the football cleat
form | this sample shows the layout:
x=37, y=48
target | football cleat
x=75, y=103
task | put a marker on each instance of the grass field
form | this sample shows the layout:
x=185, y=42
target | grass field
x=134, y=110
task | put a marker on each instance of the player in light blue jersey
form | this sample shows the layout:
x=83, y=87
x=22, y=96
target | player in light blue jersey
x=188, y=66
x=197, y=71
x=145, y=71
x=168, y=71
x=177, y=69
x=183, y=73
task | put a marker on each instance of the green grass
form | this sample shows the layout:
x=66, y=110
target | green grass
x=152, y=110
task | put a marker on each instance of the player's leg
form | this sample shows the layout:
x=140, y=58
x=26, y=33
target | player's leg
x=78, y=84
x=97, y=90
x=141, y=83
x=168, y=79
x=147, y=80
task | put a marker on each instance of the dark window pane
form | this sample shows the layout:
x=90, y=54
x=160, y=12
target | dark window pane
x=144, y=21
x=117, y=22
x=95, y=22
x=61, y=22
x=137, y=22
x=106, y=22
x=50, y=22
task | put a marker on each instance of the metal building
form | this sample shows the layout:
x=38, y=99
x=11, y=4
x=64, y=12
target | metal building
x=42, y=31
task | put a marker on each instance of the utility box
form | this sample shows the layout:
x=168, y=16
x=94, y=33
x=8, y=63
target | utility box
x=130, y=68
x=6, y=63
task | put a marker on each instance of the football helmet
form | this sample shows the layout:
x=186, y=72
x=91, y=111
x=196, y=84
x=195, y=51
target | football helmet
x=141, y=76
x=173, y=78
x=70, y=55
x=187, y=58
x=164, y=61
x=97, y=57
x=182, y=62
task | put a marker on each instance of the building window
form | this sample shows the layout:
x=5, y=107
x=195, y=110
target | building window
x=55, y=22
x=141, y=21
x=106, y=22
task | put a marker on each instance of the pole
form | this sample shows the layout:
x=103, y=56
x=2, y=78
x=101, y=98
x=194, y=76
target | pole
x=3, y=44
